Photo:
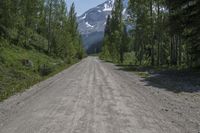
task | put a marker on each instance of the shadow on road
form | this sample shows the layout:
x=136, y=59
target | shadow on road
x=170, y=80
x=175, y=81
x=135, y=68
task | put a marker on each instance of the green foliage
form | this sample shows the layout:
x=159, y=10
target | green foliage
x=105, y=54
x=15, y=76
x=37, y=38
x=129, y=58
x=165, y=33
x=38, y=42
x=45, y=70
x=115, y=42
x=43, y=25
x=187, y=25
x=143, y=74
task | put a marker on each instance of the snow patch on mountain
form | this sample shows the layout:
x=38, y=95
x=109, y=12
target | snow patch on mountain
x=107, y=7
x=124, y=12
x=92, y=22
x=83, y=17
x=89, y=25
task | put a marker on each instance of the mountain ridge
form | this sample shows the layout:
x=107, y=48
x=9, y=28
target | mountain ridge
x=93, y=21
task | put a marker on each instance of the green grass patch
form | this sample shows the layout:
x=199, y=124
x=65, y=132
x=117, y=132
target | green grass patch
x=143, y=74
x=21, y=68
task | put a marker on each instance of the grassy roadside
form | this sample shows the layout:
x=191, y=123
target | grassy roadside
x=21, y=68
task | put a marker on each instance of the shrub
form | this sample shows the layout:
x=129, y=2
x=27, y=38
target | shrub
x=39, y=42
x=45, y=70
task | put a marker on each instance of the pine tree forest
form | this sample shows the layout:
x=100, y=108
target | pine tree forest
x=44, y=25
x=162, y=33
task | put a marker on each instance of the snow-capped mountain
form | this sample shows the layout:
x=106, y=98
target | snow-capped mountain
x=92, y=22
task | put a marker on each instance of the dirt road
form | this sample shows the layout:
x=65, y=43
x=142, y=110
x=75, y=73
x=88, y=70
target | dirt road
x=95, y=97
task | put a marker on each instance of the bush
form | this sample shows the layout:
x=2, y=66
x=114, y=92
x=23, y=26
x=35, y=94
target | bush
x=39, y=42
x=13, y=35
x=45, y=70
x=27, y=63
x=3, y=42
x=27, y=38
x=2, y=59
x=3, y=31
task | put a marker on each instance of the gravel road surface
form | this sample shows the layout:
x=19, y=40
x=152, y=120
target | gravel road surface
x=93, y=96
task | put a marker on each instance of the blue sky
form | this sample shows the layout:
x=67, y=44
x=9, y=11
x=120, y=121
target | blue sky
x=84, y=5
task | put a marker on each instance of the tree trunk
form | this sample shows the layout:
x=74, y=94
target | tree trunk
x=180, y=51
x=151, y=39
x=158, y=35
x=49, y=27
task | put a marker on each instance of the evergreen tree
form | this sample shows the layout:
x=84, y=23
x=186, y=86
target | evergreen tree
x=124, y=44
x=105, y=54
x=113, y=45
x=44, y=25
x=166, y=32
x=75, y=35
x=184, y=25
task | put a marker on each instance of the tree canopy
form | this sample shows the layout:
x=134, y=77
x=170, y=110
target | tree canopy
x=164, y=33
x=45, y=25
